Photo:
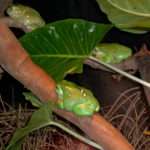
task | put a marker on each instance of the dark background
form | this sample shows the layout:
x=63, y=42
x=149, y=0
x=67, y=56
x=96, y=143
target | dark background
x=52, y=10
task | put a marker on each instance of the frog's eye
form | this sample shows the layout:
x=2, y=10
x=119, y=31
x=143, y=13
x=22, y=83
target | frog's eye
x=84, y=94
x=59, y=91
x=97, y=108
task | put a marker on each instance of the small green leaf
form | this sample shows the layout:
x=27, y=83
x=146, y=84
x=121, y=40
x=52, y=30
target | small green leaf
x=40, y=118
x=61, y=47
x=129, y=15
x=17, y=145
x=33, y=99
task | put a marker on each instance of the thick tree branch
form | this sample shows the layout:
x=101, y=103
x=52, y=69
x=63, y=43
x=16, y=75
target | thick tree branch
x=15, y=60
x=98, y=129
x=13, y=23
x=3, y=5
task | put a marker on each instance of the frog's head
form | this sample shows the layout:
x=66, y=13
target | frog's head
x=15, y=11
x=76, y=99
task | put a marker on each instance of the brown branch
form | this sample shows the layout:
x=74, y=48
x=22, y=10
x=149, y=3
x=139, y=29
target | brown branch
x=13, y=23
x=3, y=5
x=15, y=60
x=98, y=129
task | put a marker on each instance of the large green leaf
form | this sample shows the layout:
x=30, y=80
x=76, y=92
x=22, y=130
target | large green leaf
x=61, y=47
x=128, y=15
x=39, y=119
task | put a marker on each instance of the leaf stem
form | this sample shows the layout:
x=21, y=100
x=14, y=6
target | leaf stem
x=58, y=55
x=76, y=135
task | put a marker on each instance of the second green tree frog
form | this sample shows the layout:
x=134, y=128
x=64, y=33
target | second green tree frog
x=76, y=99
x=25, y=15
x=111, y=52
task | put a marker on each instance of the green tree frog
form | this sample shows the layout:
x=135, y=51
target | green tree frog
x=76, y=99
x=25, y=15
x=111, y=52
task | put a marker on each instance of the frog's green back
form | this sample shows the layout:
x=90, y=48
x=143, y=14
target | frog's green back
x=112, y=52
x=76, y=99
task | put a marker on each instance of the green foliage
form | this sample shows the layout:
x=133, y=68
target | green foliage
x=39, y=119
x=111, y=52
x=33, y=99
x=76, y=99
x=129, y=15
x=61, y=47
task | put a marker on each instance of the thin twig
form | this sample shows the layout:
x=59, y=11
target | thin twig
x=3, y=5
x=129, y=76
